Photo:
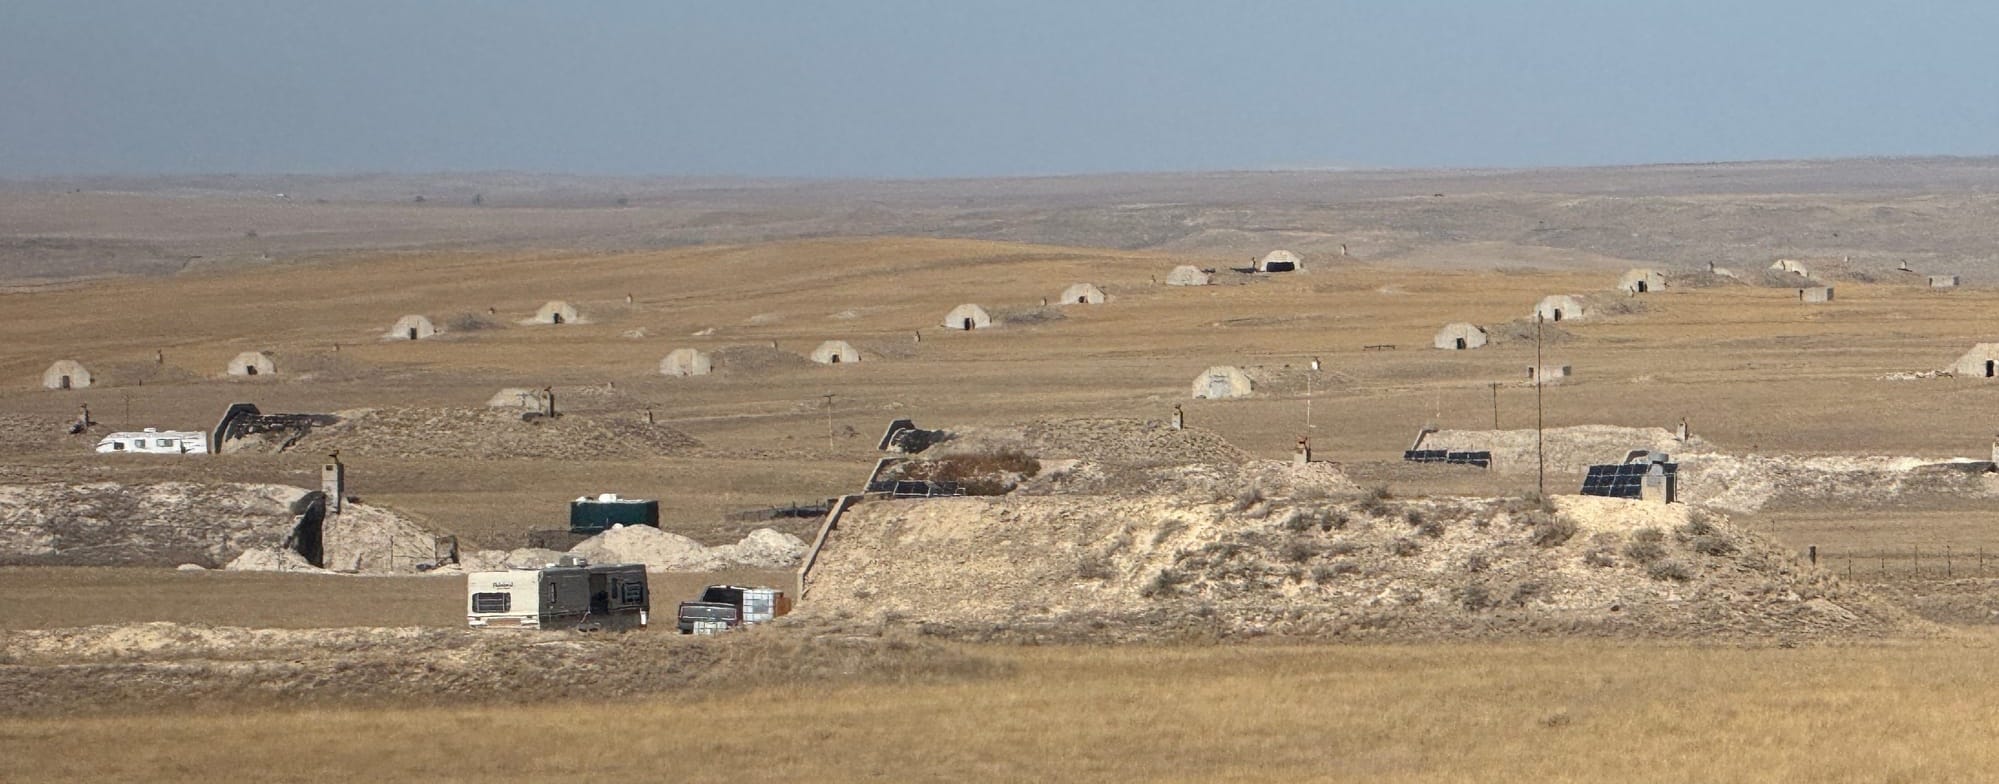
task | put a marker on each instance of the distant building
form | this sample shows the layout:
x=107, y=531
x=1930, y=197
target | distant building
x=253, y=363
x=556, y=312
x=1641, y=281
x=1559, y=307
x=1222, y=382
x=1550, y=373
x=67, y=374
x=1188, y=275
x=1280, y=261
x=1982, y=361
x=686, y=362
x=1943, y=281
x=1459, y=336
x=967, y=317
x=835, y=352
x=1815, y=294
x=411, y=328
x=1082, y=294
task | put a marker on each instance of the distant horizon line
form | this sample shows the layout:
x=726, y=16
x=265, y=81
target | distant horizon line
x=1301, y=169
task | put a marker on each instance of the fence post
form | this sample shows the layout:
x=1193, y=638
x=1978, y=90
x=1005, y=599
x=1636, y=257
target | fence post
x=1946, y=562
x=1917, y=553
x=1813, y=551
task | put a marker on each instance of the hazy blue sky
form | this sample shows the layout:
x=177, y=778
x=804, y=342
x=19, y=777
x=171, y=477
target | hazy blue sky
x=942, y=88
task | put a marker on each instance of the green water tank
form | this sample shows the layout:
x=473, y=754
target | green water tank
x=596, y=514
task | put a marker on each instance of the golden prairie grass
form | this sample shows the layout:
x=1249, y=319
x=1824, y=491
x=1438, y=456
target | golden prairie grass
x=1755, y=370
x=1529, y=712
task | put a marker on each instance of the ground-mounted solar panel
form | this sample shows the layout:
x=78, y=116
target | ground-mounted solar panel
x=1480, y=459
x=1624, y=480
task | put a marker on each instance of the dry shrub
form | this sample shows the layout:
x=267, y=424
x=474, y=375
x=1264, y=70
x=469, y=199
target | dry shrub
x=1670, y=569
x=1712, y=545
x=1247, y=497
x=1329, y=572
x=1475, y=597
x=1551, y=530
x=1405, y=546
x=1300, y=550
x=1647, y=545
x=1167, y=581
x=1344, y=547
x=1095, y=567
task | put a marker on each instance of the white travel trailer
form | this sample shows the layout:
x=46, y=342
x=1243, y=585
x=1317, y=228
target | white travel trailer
x=155, y=442
x=571, y=595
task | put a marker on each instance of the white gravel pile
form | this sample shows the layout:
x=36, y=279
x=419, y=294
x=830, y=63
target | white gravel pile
x=661, y=551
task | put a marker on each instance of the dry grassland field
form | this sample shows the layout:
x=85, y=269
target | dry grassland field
x=1146, y=604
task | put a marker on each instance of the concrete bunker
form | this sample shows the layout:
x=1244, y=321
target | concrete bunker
x=1641, y=281
x=1459, y=336
x=1982, y=361
x=253, y=363
x=557, y=312
x=1280, y=261
x=67, y=374
x=1188, y=275
x=967, y=317
x=1082, y=294
x=1222, y=382
x=686, y=362
x=411, y=327
x=836, y=352
x=1560, y=307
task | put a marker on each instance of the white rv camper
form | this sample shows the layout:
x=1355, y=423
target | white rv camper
x=570, y=595
x=155, y=442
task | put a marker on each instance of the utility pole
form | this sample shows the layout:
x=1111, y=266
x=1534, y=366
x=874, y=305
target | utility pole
x=1540, y=418
x=1308, y=398
x=829, y=420
x=1495, y=405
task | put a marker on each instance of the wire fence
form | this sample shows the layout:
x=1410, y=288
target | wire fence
x=1913, y=562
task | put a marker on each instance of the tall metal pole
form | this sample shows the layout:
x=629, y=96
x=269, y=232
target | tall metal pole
x=829, y=420
x=1308, y=403
x=1540, y=419
x=1495, y=405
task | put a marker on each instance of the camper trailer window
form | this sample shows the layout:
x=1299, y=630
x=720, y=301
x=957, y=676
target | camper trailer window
x=632, y=593
x=166, y=443
x=492, y=602
x=117, y=446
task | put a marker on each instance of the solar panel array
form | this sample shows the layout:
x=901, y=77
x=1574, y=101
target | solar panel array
x=1480, y=459
x=1626, y=480
x=915, y=488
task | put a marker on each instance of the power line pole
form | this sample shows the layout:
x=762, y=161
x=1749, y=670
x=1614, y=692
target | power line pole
x=829, y=420
x=1495, y=405
x=1540, y=417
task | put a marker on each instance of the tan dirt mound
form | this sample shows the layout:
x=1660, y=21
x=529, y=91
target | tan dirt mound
x=1120, y=441
x=1360, y=567
x=171, y=523
x=492, y=434
x=662, y=551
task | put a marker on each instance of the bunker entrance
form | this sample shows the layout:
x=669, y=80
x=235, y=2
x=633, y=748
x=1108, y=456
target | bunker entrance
x=308, y=536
